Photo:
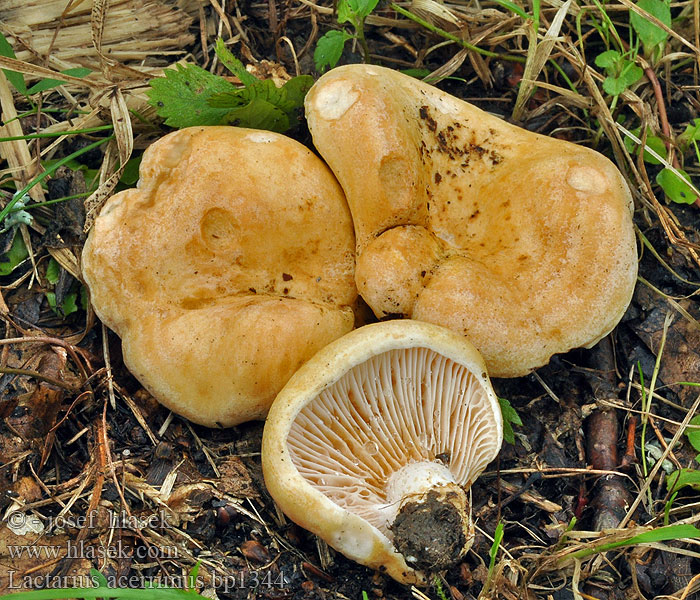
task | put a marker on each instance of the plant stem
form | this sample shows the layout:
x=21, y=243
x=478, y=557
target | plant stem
x=360, y=31
x=5, y=211
x=39, y=376
x=33, y=136
x=453, y=38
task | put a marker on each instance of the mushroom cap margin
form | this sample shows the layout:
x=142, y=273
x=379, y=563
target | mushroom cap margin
x=346, y=532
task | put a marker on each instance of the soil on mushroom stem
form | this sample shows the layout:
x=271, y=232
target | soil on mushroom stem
x=194, y=493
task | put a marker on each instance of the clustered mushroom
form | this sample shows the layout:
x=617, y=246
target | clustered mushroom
x=228, y=266
x=520, y=242
x=372, y=442
x=230, y=274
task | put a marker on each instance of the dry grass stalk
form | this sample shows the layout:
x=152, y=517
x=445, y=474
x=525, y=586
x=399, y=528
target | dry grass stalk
x=135, y=33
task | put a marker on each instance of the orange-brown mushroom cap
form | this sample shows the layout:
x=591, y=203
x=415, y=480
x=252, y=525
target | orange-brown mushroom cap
x=230, y=265
x=522, y=243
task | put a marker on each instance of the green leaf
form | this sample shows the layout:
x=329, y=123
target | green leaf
x=510, y=418
x=654, y=142
x=288, y=99
x=14, y=256
x=259, y=114
x=69, y=304
x=154, y=593
x=131, y=171
x=662, y=534
x=53, y=270
x=329, y=49
x=355, y=11
x=84, y=297
x=233, y=64
x=631, y=73
x=497, y=538
x=614, y=86
x=227, y=100
x=691, y=134
x=296, y=89
x=99, y=578
x=694, y=434
x=417, y=73
x=608, y=59
x=16, y=79
x=514, y=8
x=47, y=84
x=674, y=187
x=683, y=478
x=51, y=299
x=181, y=96
x=650, y=34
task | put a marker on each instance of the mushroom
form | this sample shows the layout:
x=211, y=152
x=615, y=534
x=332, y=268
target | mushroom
x=371, y=445
x=228, y=266
x=522, y=243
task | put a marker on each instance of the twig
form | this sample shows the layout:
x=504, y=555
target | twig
x=39, y=376
x=453, y=38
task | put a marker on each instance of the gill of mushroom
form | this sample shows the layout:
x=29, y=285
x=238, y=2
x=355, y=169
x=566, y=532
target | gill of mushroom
x=373, y=442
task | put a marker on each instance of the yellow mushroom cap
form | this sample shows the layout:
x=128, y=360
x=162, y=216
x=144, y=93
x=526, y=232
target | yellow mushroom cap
x=230, y=265
x=522, y=243
x=375, y=420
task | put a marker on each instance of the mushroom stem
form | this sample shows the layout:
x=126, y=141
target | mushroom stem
x=430, y=515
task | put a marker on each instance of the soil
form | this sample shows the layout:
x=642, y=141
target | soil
x=431, y=532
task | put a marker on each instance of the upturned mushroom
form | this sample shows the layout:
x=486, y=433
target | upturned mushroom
x=373, y=442
x=230, y=265
x=522, y=243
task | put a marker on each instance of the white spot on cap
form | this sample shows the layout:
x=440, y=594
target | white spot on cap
x=334, y=99
x=586, y=179
x=260, y=137
x=449, y=106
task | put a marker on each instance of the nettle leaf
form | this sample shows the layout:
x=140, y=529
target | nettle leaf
x=608, y=59
x=16, y=79
x=259, y=114
x=233, y=64
x=289, y=99
x=650, y=34
x=674, y=187
x=296, y=89
x=652, y=141
x=227, y=100
x=14, y=256
x=181, y=96
x=329, y=49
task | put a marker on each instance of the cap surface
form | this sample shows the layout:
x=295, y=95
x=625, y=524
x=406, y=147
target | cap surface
x=391, y=407
x=522, y=243
x=230, y=265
